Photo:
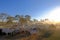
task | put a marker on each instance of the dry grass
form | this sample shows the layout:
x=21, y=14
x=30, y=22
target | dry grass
x=31, y=37
x=55, y=36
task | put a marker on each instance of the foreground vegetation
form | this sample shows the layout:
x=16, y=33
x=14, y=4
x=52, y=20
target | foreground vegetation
x=28, y=29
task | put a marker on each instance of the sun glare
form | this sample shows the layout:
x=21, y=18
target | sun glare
x=54, y=14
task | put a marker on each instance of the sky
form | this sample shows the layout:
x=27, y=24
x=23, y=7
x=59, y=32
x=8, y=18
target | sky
x=35, y=8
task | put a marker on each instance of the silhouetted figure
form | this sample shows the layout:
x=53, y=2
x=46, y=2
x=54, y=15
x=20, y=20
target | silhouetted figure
x=3, y=33
x=9, y=33
x=0, y=32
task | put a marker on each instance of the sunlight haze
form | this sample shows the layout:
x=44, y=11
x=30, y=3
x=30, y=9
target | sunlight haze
x=54, y=14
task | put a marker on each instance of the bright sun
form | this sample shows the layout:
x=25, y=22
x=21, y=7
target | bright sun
x=54, y=14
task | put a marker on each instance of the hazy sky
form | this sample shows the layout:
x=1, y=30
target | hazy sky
x=35, y=8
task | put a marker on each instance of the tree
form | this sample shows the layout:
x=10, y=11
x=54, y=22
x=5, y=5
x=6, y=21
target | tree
x=17, y=17
x=3, y=16
x=35, y=20
x=10, y=19
x=27, y=17
x=22, y=21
